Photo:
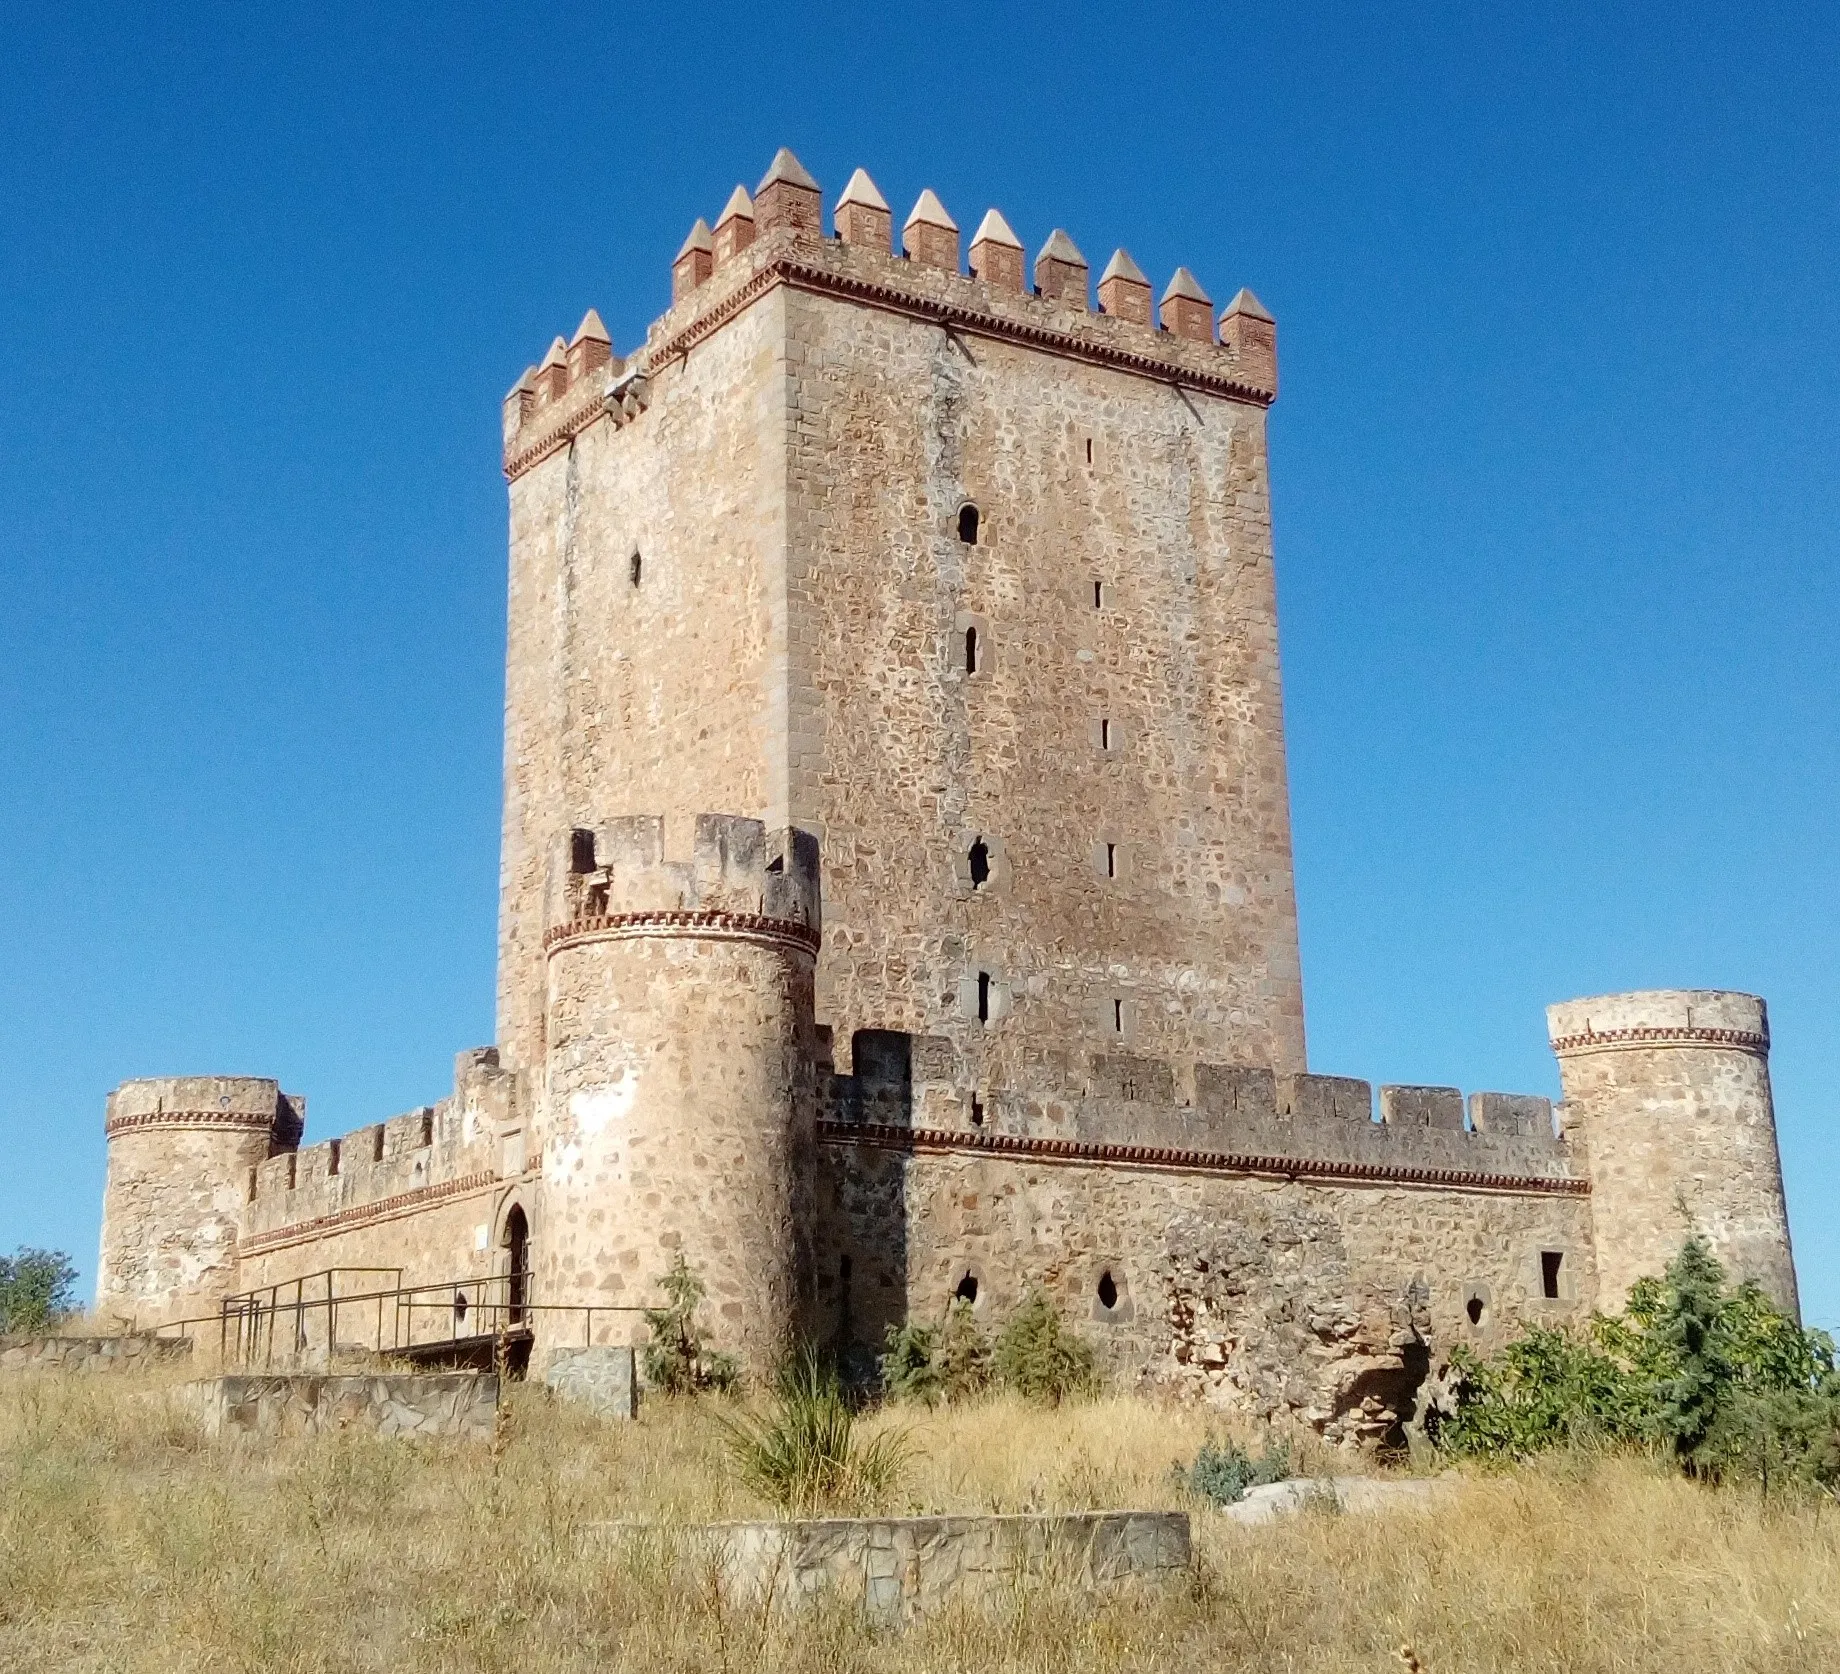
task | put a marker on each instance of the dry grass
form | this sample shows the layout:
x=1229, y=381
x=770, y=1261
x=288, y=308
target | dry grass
x=128, y=1543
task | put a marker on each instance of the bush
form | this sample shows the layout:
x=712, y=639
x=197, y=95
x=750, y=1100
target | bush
x=37, y=1289
x=1039, y=1358
x=676, y=1360
x=1721, y=1379
x=909, y=1364
x=803, y=1454
x=1223, y=1471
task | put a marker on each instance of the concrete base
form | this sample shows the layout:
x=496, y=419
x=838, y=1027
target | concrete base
x=900, y=1567
x=461, y=1404
x=599, y=1378
x=134, y=1352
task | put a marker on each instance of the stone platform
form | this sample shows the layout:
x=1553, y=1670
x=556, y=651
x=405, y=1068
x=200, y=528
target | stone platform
x=902, y=1567
x=461, y=1404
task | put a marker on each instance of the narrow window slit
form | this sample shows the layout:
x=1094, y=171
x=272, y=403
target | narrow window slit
x=971, y=650
x=1105, y=735
x=968, y=524
x=637, y=566
x=1108, y=1290
x=1111, y=860
x=1551, y=1262
x=1118, y=1017
x=983, y=1002
x=979, y=859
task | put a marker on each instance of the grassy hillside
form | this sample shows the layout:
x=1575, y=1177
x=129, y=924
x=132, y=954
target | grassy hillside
x=127, y=1542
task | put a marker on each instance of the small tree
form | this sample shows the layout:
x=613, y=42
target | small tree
x=676, y=1360
x=1038, y=1357
x=37, y=1289
x=909, y=1363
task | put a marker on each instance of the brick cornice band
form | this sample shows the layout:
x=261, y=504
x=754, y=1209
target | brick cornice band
x=220, y=1121
x=1199, y=1162
x=964, y=316
x=698, y=925
x=358, y=1214
x=1616, y=1040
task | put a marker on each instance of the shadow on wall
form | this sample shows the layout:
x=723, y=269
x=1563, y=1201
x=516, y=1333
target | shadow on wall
x=863, y=1243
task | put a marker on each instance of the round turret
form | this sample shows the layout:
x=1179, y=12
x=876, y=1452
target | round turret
x=181, y=1149
x=1669, y=1091
x=678, y=1093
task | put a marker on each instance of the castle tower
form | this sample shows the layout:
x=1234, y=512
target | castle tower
x=679, y=1096
x=939, y=571
x=181, y=1152
x=1670, y=1092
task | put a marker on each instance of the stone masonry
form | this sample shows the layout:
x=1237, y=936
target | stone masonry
x=896, y=895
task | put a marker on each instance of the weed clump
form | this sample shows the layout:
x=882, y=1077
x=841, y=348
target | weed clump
x=1034, y=1355
x=1224, y=1471
x=804, y=1453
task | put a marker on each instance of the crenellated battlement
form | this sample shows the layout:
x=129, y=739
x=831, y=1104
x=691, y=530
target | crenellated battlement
x=1243, y=1118
x=456, y=1140
x=617, y=875
x=207, y=1103
x=776, y=236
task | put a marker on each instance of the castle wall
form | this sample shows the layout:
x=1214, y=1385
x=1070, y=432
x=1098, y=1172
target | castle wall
x=660, y=697
x=902, y=759
x=1328, y=1303
x=181, y=1149
x=1669, y=1092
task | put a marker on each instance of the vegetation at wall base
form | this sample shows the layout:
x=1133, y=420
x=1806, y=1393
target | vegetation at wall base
x=1716, y=1377
x=37, y=1289
x=1034, y=1355
x=1223, y=1471
x=676, y=1361
x=805, y=1454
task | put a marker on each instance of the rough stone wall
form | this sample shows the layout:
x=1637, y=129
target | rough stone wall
x=181, y=1149
x=1669, y=1093
x=1329, y=1304
x=419, y=1406
x=1150, y=722
x=679, y=1082
x=658, y=696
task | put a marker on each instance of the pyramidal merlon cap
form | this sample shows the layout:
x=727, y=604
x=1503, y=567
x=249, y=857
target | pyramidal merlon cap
x=1246, y=303
x=558, y=354
x=1061, y=248
x=1185, y=284
x=700, y=239
x=527, y=382
x=739, y=203
x=1122, y=267
x=591, y=329
x=862, y=190
x=929, y=211
x=993, y=229
x=786, y=169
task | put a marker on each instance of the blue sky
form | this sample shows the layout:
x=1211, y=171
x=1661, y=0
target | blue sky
x=1554, y=469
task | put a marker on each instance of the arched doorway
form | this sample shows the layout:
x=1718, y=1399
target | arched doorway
x=517, y=1283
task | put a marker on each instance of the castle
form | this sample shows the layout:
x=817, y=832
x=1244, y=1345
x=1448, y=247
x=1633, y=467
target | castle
x=896, y=894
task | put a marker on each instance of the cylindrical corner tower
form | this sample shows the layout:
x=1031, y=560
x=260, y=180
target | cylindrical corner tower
x=1670, y=1092
x=678, y=1091
x=181, y=1148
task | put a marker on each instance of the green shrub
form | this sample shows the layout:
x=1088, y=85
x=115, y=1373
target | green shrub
x=676, y=1360
x=1039, y=1358
x=909, y=1364
x=1720, y=1378
x=803, y=1453
x=37, y=1289
x=1223, y=1471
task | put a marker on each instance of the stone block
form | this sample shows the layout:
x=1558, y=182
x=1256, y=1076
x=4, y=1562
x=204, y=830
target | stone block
x=601, y=1379
x=1325, y=1098
x=1422, y=1107
x=1134, y=1080
x=1521, y=1115
x=1236, y=1092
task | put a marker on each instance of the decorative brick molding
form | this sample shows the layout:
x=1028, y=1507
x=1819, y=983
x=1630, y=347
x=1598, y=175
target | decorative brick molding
x=897, y=299
x=385, y=1208
x=220, y=1121
x=1614, y=1040
x=702, y=925
x=568, y=421
x=937, y=1140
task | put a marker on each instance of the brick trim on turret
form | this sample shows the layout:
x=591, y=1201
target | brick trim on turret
x=1613, y=1040
x=709, y=925
x=219, y=1121
x=944, y=1140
